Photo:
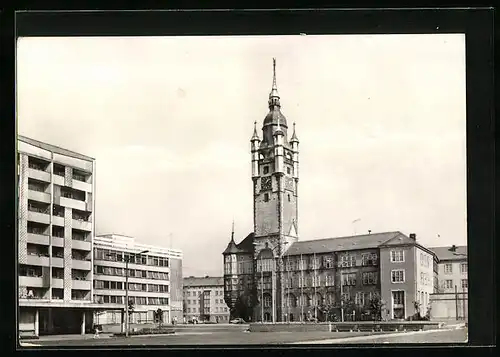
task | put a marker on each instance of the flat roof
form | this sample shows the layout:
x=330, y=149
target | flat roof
x=53, y=148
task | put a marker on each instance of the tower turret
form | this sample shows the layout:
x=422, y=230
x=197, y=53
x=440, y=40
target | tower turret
x=294, y=141
x=255, y=140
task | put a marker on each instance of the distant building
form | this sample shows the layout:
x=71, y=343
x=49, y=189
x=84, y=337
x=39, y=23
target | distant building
x=204, y=299
x=56, y=198
x=272, y=276
x=155, y=279
x=450, y=301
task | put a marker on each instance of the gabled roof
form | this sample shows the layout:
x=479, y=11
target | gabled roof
x=231, y=248
x=198, y=281
x=359, y=242
x=398, y=240
x=446, y=253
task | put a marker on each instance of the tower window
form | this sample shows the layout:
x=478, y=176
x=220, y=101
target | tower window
x=266, y=197
x=288, y=171
x=266, y=170
x=288, y=197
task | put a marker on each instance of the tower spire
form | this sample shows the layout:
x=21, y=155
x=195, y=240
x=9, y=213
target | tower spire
x=255, y=136
x=232, y=231
x=274, y=97
x=294, y=136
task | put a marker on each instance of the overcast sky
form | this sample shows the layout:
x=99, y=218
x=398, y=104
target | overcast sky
x=381, y=123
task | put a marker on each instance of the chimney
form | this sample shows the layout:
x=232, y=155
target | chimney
x=453, y=248
x=369, y=231
x=413, y=236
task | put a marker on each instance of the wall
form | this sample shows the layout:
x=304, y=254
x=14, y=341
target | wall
x=446, y=306
x=175, y=287
x=386, y=284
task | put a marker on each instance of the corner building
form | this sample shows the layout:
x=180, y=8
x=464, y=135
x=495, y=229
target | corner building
x=271, y=276
x=56, y=222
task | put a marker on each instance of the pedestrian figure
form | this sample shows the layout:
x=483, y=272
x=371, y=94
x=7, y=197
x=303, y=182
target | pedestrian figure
x=184, y=320
x=96, y=331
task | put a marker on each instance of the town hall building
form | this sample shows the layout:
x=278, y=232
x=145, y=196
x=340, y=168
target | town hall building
x=272, y=276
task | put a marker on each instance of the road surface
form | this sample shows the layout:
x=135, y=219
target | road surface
x=192, y=338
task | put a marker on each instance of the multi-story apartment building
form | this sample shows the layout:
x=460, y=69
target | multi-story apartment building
x=55, y=237
x=452, y=269
x=204, y=299
x=154, y=279
x=271, y=276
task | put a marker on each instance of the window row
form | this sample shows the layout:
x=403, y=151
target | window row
x=116, y=256
x=59, y=170
x=449, y=284
x=133, y=273
x=118, y=285
x=448, y=268
x=135, y=300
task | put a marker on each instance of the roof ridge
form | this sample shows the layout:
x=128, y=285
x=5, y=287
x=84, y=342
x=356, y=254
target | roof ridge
x=345, y=237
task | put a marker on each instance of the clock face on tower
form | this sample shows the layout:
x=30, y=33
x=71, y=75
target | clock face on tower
x=265, y=184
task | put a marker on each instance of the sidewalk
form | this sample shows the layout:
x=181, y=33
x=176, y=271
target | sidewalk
x=75, y=337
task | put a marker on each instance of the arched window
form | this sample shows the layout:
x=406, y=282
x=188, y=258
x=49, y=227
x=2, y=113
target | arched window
x=291, y=300
x=303, y=300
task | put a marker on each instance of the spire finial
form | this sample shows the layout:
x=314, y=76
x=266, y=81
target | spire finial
x=274, y=73
x=232, y=231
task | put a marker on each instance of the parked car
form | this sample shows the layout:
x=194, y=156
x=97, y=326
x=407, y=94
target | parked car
x=237, y=320
x=193, y=321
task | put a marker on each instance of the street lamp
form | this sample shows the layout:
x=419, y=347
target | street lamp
x=127, y=260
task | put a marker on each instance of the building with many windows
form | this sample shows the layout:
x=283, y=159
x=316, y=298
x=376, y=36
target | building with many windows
x=55, y=237
x=154, y=279
x=204, y=299
x=272, y=276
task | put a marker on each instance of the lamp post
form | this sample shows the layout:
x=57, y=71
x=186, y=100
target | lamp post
x=127, y=260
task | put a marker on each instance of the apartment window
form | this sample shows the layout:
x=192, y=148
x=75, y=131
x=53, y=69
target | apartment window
x=398, y=276
x=58, y=210
x=448, y=284
x=37, y=164
x=397, y=256
x=316, y=281
x=59, y=170
x=58, y=273
x=72, y=193
x=329, y=280
x=465, y=284
x=369, y=278
x=349, y=279
x=328, y=262
x=345, y=296
x=30, y=270
x=368, y=259
x=79, y=175
x=463, y=268
x=266, y=170
x=359, y=298
x=315, y=263
x=266, y=197
x=448, y=268
x=347, y=260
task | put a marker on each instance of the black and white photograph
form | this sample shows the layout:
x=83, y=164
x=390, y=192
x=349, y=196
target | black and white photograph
x=230, y=190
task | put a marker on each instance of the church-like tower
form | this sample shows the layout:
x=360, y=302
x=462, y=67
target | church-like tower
x=275, y=175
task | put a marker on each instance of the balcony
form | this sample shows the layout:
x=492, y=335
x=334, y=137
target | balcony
x=32, y=282
x=57, y=262
x=38, y=239
x=81, y=264
x=37, y=260
x=38, y=175
x=38, y=217
x=57, y=283
x=81, y=225
x=81, y=245
x=82, y=186
x=58, y=180
x=39, y=196
x=57, y=242
x=71, y=203
x=58, y=221
x=81, y=284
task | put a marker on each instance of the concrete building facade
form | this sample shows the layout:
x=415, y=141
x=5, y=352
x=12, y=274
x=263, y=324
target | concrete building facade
x=155, y=279
x=204, y=299
x=56, y=204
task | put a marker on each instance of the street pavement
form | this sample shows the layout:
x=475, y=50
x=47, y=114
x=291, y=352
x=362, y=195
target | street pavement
x=232, y=337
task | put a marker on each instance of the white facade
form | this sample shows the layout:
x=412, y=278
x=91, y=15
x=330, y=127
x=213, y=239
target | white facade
x=151, y=278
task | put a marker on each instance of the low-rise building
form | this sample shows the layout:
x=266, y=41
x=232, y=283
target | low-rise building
x=204, y=299
x=154, y=279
